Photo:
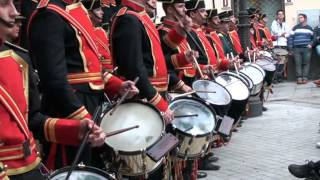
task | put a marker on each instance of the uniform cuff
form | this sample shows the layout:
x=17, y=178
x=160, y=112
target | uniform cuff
x=112, y=84
x=79, y=114
x=159, y=102
x=62, y=131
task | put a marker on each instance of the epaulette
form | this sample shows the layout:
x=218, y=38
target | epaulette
x=122, y=11
x=15, y=47
x=43, y=4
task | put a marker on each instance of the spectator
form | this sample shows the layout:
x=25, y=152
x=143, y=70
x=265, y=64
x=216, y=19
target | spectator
x=317, y=38
x=300, y=43
x=280, y=31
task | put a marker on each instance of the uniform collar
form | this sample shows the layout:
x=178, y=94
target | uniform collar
x=134, y=5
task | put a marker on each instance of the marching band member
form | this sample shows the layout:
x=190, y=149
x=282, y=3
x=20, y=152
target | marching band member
x=20, y=111
x=62, y=44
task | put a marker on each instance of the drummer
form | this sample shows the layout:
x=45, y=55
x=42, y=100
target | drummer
x=20, y=111
x=266, y=39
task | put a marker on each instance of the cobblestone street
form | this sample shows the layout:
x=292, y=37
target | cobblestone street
x=265, y=146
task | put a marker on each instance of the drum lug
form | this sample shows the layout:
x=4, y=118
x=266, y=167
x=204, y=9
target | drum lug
x=190, y=141
x=185, y=154
x=144, y=163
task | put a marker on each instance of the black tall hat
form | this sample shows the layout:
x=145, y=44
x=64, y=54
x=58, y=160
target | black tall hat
x=195, y=4
x=171, y=1
x=91, y=4
x=224, y=16
x=212, y=13
x=262, y=16
x=251, y=10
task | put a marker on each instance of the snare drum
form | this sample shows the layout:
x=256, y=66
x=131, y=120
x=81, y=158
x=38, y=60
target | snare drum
x=130, y=147
x=280, y=51
x=194, y=132
x=238, y=90
x=269, y=69
x=81, y=173
x=220, y=100
x=256, y=76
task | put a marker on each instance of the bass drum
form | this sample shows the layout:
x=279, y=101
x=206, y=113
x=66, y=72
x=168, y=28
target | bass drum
x=81, y=173
x=220, y=100
x=256, y=76
x=194, y=132
x=239, y=93
x=130, y=147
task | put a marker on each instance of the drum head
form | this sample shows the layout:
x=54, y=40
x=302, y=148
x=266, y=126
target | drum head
x=220, y=97
x=257, y=66
x=266, y=65
x=280, y=51
x=80, y=173
x=151, y=126
x=201, y=124
x=253, y=73
x=236, y=87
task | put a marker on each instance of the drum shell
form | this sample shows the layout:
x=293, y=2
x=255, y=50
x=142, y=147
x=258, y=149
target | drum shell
x=256, y=87
x=192, y=147
x=136, y=165
x=237, y=108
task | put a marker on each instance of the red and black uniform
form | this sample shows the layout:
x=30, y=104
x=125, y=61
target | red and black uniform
x=175, y=58
x=255, y=39
x=20, y=114
x=102, y=42
x=136, y=50
x=234, y=37
x=264, y=34
x=64, y=50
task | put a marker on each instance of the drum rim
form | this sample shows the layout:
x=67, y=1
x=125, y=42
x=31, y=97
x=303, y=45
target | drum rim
x=140, y=151
x=258, y=67
x=208, y=106
x=246, y=77
x=236, y=76
x=270, y=63
x=79, y=167
x=230, y=98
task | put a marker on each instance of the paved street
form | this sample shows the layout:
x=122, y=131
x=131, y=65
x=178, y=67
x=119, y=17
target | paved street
x=285, y=134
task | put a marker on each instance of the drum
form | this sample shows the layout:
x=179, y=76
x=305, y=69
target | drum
x=130, y=147
x=269, y=69
x=194, y=133
x=247, y=80
x=280, y=52
x=220, y=100
x=238, y=90
x=256, y=76
x=81, y=172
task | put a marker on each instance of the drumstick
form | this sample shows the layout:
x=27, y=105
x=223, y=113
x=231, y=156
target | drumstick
x=198, y=67
x=249, y=54
x=254, y=56
x=184, y=68
x=236, y=67
x=185, y=94
x=123, y=97
x=204, y=91
x=120, y=131
x=185, y=115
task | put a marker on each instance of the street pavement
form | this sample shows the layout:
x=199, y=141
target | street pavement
x=265, y=145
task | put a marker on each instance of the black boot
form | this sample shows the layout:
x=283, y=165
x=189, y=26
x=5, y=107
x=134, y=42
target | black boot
x=303, y=171
x=201, y=175
x=207, y=166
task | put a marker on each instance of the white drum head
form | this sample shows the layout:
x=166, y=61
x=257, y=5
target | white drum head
x=150, y=129
x=266, y=65
x=220, y=97
x=237, y=88
x=199, y=125
x=254, y=74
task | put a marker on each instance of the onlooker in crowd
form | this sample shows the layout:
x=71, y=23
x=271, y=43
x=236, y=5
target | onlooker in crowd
x=300, y=43
x=317, y=38
x=309, y=170
x=280, y=31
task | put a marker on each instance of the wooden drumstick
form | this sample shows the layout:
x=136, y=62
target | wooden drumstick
x=249, y=54
x=254, y=56
x=120, y=131
x=123, y=97
x=204, y=91
x=185, y=94
x=185, y=115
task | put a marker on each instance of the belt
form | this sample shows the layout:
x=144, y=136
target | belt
x=19, y=151
x=77, y=78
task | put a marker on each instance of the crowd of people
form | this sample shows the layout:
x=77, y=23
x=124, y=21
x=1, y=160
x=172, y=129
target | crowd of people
x=72, y=64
